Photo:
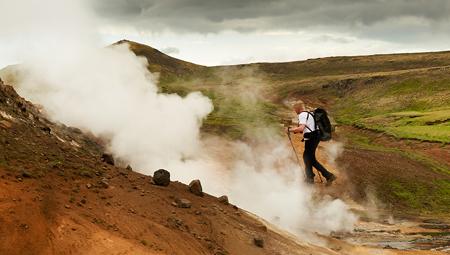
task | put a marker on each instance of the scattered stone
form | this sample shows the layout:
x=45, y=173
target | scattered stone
x=24, y=226
x=258, y=242
x=183, y=203
x=262, y=227
x=67, y=206
x=220, y=252
x=5, y=124
x=26, y=174
x=195, y=187
x=161, y=177
x=46, y=129
x=83, y=201
x=129, y=168
x=108, y=159
x=174, y=222
x=198, y=212
x=86, y=173
x=88, y=185
x=104, y=183
x=223, y=200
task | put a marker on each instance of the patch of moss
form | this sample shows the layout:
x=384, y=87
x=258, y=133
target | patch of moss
x=417, y=195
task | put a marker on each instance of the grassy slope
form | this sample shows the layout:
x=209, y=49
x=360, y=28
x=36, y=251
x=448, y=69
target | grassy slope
x=407, y=96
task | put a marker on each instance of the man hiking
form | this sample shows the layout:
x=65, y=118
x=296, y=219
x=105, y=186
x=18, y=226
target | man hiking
x=311, y=136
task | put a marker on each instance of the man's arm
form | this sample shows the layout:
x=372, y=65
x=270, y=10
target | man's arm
x=301, y=126
x=298, y=129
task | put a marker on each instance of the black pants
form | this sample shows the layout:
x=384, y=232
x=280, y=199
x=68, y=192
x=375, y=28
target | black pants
x=309, y=157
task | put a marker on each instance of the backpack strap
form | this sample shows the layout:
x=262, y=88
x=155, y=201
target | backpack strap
x=309, y=113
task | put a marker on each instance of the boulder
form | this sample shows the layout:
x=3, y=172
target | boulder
x=223, y=200
x=183, y=203
x=108, y=159
x=195, y=187
x=258, y=242
x=161, y=177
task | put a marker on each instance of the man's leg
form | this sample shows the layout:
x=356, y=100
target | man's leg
x=308, y=158
x=315, y=142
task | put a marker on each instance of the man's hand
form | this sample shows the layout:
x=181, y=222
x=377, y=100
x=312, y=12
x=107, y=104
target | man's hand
x=288, y=130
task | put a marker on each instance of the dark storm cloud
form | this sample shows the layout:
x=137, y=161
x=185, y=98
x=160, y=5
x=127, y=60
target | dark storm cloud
x=357, y=17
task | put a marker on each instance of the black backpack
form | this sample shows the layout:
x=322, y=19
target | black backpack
x=322, y=123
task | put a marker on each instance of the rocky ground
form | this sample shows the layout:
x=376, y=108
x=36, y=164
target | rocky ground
x=60, y=194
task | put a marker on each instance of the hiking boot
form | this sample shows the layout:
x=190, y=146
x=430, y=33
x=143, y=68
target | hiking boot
x=331, y=179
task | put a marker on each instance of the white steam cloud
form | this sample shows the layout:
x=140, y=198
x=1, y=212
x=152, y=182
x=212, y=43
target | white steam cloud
x=110, y=92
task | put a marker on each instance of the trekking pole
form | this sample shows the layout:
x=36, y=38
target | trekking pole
x=295, y=152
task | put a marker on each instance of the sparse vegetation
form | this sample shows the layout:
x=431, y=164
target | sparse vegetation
x=412, y=109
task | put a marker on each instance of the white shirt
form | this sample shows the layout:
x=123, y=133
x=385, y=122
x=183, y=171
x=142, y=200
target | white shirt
x=307, y=119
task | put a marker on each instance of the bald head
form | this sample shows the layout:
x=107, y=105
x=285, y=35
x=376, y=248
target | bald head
x=299, y=107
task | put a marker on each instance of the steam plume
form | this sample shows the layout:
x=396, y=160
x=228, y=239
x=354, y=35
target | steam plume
x=110, y=92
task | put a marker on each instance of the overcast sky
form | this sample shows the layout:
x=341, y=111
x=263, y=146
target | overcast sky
x=214, y=32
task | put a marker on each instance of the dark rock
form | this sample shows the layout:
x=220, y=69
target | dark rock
x=129, y=168
x=108, y=159
x=258, y=242
x=161, y=177
x=223, y=200
x=183, y=203
x=46, y=129
x=195, y=187
x=26, y=174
